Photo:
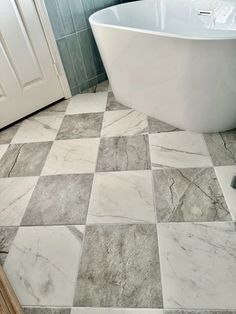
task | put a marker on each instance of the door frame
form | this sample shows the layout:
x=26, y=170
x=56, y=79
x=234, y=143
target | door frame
x=52, y=45
x=9, y=302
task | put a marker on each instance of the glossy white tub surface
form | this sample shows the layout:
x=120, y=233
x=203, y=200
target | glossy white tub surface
x=164, y=59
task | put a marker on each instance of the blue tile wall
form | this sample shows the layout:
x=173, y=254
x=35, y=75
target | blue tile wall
x=77, y=47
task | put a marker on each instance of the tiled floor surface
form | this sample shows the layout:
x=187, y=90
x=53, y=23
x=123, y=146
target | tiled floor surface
x=104, y=210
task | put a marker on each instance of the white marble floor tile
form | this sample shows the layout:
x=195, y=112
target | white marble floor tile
x=122, y=197
x=15, y=194
x=198, y=265
x=86, y=103
x=3, y=149
x=179, y=149
x=72, y=156
x=198, y=311
x=225, y=175
x=124, y=123
x=114, y=311
x=39, y=128
x=42, y=264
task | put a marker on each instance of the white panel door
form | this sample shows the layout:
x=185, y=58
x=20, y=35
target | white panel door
x=28, y=79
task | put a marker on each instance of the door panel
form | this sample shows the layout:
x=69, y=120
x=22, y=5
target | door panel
x=12, y=26
x=28, y=80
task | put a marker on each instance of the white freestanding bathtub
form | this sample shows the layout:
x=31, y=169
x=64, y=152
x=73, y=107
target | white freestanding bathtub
x=172, y=59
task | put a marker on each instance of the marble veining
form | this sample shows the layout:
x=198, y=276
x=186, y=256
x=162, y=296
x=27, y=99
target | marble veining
x=222, y=147
x=15, y=194
x=124, y=153
x=87, y=103
x=122, y=197
x=119, y=267
x=25, y=159
x=7, y=235
x=81, y=126
x=157, y=126
x=154, y=202
x=59, y=199
x=124, y=123
x=189, y=195
x=72, y=156
x=201, y=259
x=42, y=264
x=38, y=128
x=180, y=149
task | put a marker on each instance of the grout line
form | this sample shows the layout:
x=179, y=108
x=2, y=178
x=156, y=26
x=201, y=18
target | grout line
x=123, y=224
x=78, y=266
x=179, y=310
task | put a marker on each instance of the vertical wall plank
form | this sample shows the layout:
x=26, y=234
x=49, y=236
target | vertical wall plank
x=77, y=47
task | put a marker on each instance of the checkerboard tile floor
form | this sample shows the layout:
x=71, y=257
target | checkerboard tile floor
x=106, y=210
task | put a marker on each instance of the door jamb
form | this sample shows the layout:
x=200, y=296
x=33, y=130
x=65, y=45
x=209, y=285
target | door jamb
x=51, y=41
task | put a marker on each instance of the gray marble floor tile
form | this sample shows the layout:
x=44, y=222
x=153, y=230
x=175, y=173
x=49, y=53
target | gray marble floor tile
x=118, y=311
x=81, y=126
x=59, y=106
x=72, y=156
x=124, y=123
x=119, y=267
x=180, y=149
x=42, y=264
x=225, y=175
x=112, y=104
x=87, y=103
x=124, y=153
x=7, y=235
x=222, y=147
x=102, y=87
x=189, y=195
x=157, y=126
x=39, y=128
x=198, y=265
x=122, y=197
x=15, y=194
x=42, y=310
x=60, y=199
x=7, y=134
x=24, y=159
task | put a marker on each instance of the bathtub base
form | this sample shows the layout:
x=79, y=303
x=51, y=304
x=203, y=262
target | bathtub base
x=189, y=121
x=187, y=83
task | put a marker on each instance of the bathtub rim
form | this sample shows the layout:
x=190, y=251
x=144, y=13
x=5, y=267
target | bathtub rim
x=150, y=32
